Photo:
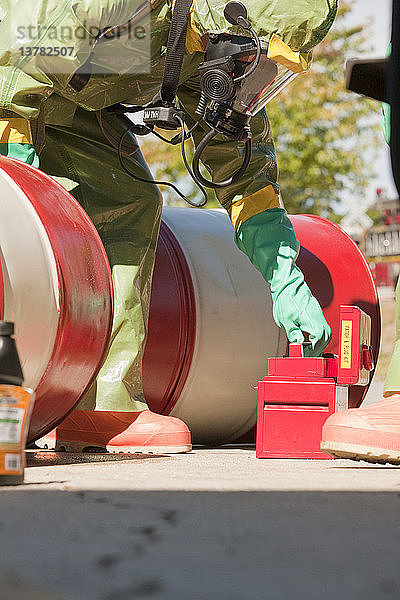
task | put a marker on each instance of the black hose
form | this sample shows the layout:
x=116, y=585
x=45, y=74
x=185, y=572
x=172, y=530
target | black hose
x=142, y=179
x=189, y=170
x=155, y=182
x=221, y=184
x=255, y=61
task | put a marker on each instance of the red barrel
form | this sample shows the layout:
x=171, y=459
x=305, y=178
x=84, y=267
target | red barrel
x=337, y=273
x=56, y=287
x=202, y=372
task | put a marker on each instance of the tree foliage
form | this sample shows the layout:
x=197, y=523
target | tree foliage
x=326, y=138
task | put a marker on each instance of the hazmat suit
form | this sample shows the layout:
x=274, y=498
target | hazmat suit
x=66, y=129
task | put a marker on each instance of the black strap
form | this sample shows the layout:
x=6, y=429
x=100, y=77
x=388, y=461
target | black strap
x=81, y=77
x=175, y=49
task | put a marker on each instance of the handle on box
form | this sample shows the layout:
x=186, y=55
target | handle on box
x=367, y=358
x=295, y=350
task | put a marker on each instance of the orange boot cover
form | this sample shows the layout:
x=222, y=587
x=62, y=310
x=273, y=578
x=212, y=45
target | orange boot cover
x=371, y=434
x=129, y=432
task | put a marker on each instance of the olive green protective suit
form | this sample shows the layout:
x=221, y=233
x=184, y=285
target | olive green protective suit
x=42, y=45
x=392, y=383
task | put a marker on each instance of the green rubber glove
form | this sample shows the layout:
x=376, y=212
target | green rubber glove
x=24, y=152
x=269, y=240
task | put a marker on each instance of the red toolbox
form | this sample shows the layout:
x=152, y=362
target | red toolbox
x=298, y=394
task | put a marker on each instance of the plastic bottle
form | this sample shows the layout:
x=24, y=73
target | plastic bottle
x=15, y=409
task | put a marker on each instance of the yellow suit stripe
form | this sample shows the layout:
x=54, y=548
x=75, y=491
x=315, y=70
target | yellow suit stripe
x=249, y=206
x=15, y=131
x=281, y=53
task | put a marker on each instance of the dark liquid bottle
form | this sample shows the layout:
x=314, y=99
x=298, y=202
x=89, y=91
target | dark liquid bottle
x=15, y=408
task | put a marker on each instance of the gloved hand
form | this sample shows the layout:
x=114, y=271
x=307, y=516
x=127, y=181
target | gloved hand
x=269, y=240
x=24, y=152
x=16, y=141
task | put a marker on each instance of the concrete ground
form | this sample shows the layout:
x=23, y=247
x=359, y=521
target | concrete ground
x=216, y=524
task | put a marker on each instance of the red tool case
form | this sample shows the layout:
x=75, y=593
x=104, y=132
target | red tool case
x=298, y=394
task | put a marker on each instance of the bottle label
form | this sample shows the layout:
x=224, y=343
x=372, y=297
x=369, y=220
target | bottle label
x=11, y=422
x=15, y=409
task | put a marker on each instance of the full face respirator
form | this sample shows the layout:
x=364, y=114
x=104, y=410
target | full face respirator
x=237, y=80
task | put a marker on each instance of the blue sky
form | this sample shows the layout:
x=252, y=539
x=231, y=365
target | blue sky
x=379, y=11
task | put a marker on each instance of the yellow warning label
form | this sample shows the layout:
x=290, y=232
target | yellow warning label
x=345, y=350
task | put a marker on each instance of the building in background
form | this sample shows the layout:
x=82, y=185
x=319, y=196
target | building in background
x=381, y=242
x=378, y=237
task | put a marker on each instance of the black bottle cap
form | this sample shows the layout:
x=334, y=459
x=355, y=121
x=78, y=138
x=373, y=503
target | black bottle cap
x=6, y=328
x=10, y=366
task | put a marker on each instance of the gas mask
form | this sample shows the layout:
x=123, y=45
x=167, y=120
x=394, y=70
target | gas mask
x=237, y=81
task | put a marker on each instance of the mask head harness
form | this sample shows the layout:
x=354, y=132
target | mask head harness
x=235, y=78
